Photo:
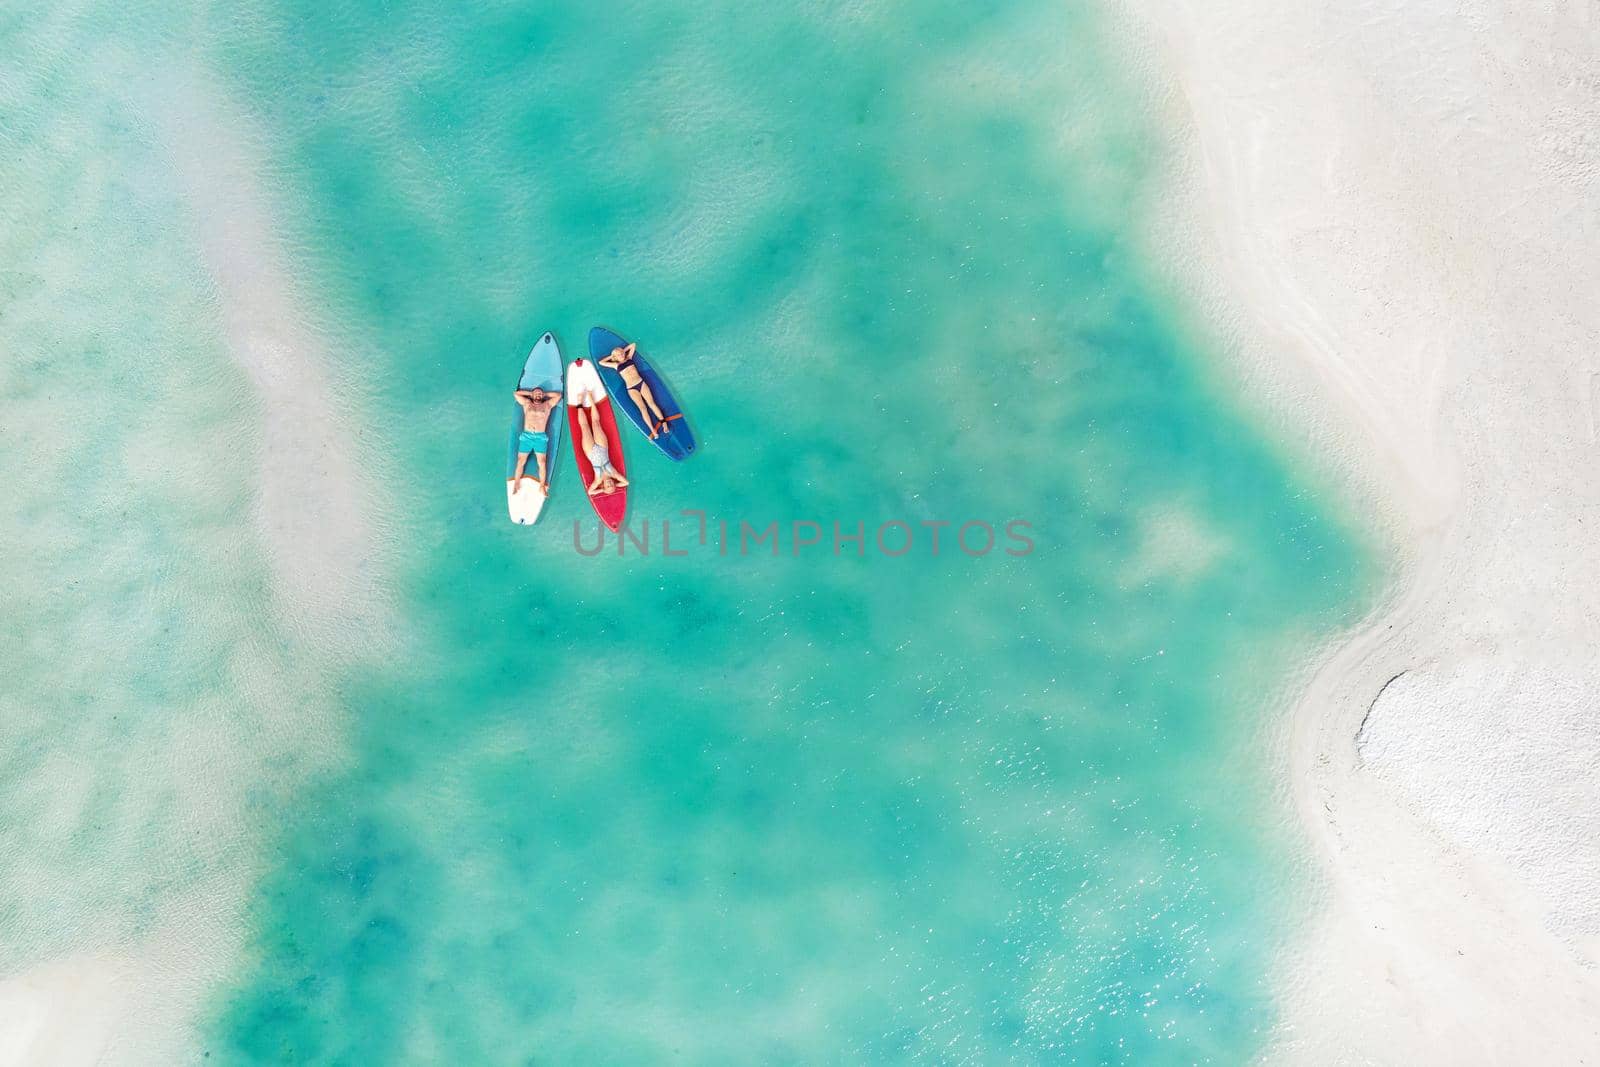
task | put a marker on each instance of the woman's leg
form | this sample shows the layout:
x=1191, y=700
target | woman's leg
x=650, y=398
x=636, y=393
x=584, y=430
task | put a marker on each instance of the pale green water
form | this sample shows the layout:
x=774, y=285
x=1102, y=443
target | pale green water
x=701, y=809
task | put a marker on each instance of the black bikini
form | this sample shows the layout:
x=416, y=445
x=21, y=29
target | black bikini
x=619, y=368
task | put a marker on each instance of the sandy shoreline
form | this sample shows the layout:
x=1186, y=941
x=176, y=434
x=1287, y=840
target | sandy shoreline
x=1401, y=207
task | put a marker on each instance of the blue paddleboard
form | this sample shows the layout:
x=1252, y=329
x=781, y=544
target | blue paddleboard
x=541, y=371
x=676, y=440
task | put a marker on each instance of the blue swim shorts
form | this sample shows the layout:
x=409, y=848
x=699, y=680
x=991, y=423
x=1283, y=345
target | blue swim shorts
x=533, y=441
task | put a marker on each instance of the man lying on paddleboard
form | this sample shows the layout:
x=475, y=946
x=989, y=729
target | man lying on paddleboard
x=621, y=361
x=536, y=408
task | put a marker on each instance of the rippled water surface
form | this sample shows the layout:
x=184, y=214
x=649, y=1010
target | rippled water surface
x=711, y=808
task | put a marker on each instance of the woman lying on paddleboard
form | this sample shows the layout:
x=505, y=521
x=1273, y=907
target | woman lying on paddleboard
x=597, y=450
x=621, y=361
x=536, y=408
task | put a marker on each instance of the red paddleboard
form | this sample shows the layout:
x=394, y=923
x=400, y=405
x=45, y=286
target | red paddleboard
x=584, y=381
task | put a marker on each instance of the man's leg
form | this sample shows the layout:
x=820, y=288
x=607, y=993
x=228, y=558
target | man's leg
x=522, y=463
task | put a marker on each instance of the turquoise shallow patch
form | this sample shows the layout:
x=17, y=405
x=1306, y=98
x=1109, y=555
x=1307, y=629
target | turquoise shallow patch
x=786, y=809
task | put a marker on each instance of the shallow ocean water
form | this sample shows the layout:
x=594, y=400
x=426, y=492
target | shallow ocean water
x=743, y=808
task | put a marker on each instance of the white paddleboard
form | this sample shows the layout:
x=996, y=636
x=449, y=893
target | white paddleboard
x=583, y=380
x=526, y=503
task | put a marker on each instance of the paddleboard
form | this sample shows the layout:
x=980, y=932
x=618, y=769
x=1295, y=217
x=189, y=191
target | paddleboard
x=676, y=439
x=541, y=371
x=583, y=381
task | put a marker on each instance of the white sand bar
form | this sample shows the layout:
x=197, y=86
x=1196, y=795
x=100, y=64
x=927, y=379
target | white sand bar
x=122, y=920
x=1404, y=200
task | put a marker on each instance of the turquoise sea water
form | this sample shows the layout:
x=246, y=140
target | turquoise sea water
x=722, y=808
